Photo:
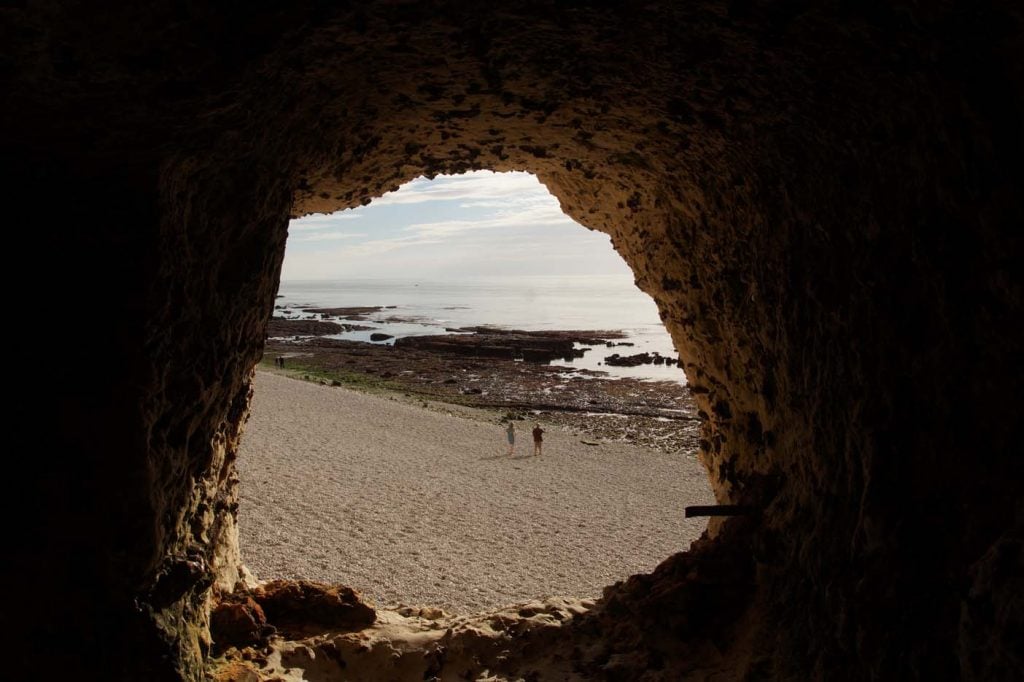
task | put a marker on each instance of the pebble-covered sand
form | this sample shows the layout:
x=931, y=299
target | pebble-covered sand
x=423, y=506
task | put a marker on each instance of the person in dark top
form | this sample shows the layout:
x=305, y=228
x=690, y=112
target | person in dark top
x=538, y=439
x=510, y=433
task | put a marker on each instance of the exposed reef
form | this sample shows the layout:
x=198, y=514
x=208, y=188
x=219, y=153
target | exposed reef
x=486, y=342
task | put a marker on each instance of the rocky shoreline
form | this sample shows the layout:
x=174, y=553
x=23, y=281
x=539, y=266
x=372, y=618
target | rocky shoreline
x=506, y=373
x=509, y=344
x=279, y=327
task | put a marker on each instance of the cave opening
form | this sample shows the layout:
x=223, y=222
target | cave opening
x=334, y=489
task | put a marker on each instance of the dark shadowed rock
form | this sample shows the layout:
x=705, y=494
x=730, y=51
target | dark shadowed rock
x=238, y=621
x=489, y=342
x=301, y=606
x=279, y=327
x=617, y=360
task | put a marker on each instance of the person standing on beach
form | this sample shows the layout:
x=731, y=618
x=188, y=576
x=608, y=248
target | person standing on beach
x=538, y=439
x=511, y=433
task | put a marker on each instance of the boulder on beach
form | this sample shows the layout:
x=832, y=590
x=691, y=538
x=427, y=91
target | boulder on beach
x=238, y=621
x=296, y=606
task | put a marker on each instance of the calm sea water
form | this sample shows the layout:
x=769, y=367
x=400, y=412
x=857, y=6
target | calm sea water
x=530, y=303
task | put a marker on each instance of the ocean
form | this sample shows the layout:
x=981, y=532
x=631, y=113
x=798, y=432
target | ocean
x=531, y=303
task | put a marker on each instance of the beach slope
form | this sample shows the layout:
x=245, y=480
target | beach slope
x=422, y=505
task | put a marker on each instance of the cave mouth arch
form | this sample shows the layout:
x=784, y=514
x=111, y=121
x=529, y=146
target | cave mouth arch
x=421, y=528
x=673, y=193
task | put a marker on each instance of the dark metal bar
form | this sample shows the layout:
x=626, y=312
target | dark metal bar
x=719, y=510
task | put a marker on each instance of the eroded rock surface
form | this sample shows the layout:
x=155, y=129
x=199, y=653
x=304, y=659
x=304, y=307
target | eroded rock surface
x=237, y=620
x=633, y=633
x=295, y=605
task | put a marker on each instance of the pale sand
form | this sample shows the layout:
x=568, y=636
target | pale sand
x=422, y=506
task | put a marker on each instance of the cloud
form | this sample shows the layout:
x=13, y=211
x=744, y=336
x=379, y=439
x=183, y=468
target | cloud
x=476, y=224
x=325, y=237
x=532, y=216
x=378, y=246
x=475, y=185
x=321, y=221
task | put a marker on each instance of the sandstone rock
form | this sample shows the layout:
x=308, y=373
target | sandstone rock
x=426, y=612
x=301, y=606
x=238, y=621
x=432, y=613
x=235, y=671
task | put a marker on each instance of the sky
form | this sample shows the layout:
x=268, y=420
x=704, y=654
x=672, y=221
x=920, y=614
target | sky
x=473, y=225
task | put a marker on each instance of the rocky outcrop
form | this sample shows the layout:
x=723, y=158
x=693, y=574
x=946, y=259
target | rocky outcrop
x=296, y=607
x=279, y=327
x=646, y=628
x=525, y=641
x=238, y=621
x=662, y=415
x=639, y=359
x=823, y=200
x=249, y=617
x=487, y=342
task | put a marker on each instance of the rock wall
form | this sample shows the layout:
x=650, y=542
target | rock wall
x=823, y=202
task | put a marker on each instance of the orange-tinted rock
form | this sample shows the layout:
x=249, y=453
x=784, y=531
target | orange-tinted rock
x=301, y=606
x=235, y=671
x=237, y=621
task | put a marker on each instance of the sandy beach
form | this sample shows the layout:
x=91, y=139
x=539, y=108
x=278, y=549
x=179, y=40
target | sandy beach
x=422, y=506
